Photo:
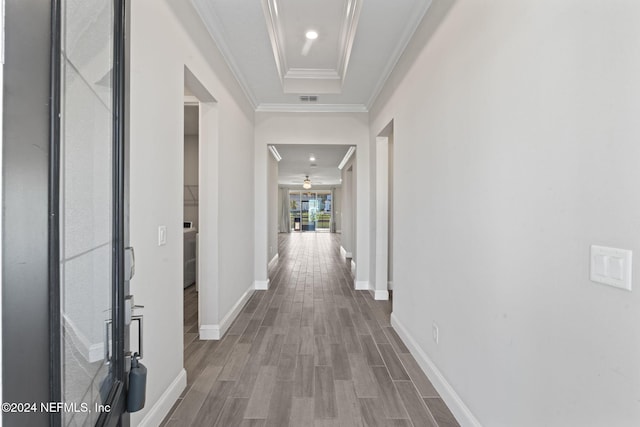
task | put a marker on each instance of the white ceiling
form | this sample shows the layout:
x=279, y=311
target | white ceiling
x=359, y=43
x=295, y=164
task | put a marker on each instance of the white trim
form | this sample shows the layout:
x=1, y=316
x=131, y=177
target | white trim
x=191, y=100
x=348, y=34
x=461, y=412
x=346, y=157
x=381, y=295
x=216, y=332
x=273, y=261
x=312, y=73
x=311, y=108
x=161, y=408
x=210, y=332
x=362, y=285
x=271, y=16
x=90, y=351
x=261, y=285
x=344, y=253
x=381, y=268
x=390, y=285
x=214, y=26
x=276, y=32
x=410, y=28
x=353, y=266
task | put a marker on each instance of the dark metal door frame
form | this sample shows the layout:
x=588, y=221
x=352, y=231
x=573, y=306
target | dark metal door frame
x=26, y=128
x=31, y=192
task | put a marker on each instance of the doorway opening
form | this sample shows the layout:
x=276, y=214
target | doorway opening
x=311, y=210
x=201, y=207
x=191, y=217
x=307, y=182
x=384, y=214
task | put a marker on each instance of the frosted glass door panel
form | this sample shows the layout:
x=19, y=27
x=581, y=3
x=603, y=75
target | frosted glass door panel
x=86, y=204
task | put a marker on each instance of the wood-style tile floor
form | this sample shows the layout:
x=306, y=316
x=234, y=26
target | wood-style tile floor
x=310, y=351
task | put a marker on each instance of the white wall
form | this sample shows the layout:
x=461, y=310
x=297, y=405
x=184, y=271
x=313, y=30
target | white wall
x=166, y=36
x=312, y=128
x=390, y=213
x=347, y=202
x=516, y=148
x=337, y=208
x=273, y=207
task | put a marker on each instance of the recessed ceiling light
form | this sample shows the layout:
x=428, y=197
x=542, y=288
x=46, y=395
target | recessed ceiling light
x=312, y=158
x=311, y=35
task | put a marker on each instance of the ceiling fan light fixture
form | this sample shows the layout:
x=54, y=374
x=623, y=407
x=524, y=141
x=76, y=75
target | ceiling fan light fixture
x=306, y=183
x=311, y=35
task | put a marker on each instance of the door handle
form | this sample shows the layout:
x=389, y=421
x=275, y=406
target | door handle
x=129, y=308
x=129, y=317
x=139, y=319
x=129, y=263
x=107, y=346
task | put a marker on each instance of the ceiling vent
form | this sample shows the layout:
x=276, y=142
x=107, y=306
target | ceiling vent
x=313, y=165
x=309, y=98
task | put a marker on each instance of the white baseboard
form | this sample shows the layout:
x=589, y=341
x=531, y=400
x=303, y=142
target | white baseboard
x=344, y=253
x=216, y=332
x=381, y=295
x=210, y=332
x=161, y=408
x=442, y=386
x=261, y=285
x=362, y=285
x=92, y=352
x=273, y=261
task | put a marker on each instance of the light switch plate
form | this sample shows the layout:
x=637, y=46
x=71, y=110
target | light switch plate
x=611, y=266
x=162, y=235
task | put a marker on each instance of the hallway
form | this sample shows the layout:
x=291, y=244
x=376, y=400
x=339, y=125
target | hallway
x=310, y=351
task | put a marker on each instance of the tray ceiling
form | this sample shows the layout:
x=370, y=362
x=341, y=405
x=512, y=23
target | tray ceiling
x=296, y=164
x=343, y=69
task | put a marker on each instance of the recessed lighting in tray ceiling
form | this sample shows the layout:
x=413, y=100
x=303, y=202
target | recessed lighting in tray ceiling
x=311, y=37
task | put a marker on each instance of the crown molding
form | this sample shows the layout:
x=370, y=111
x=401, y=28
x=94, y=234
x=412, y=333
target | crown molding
x=347, y=35
x=214, y=27
x=275, y=36
x=311, y=73
x=311, y=108
x=418, y=13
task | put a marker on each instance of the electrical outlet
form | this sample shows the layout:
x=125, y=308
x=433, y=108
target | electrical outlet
x=435, y=332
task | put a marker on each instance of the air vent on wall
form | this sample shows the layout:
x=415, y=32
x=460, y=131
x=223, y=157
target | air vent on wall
x=309, y=98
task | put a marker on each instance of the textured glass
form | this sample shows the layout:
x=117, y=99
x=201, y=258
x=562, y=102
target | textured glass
x=86, y=205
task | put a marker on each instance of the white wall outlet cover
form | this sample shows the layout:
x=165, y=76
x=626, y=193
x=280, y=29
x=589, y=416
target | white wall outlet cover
x=611, y=266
